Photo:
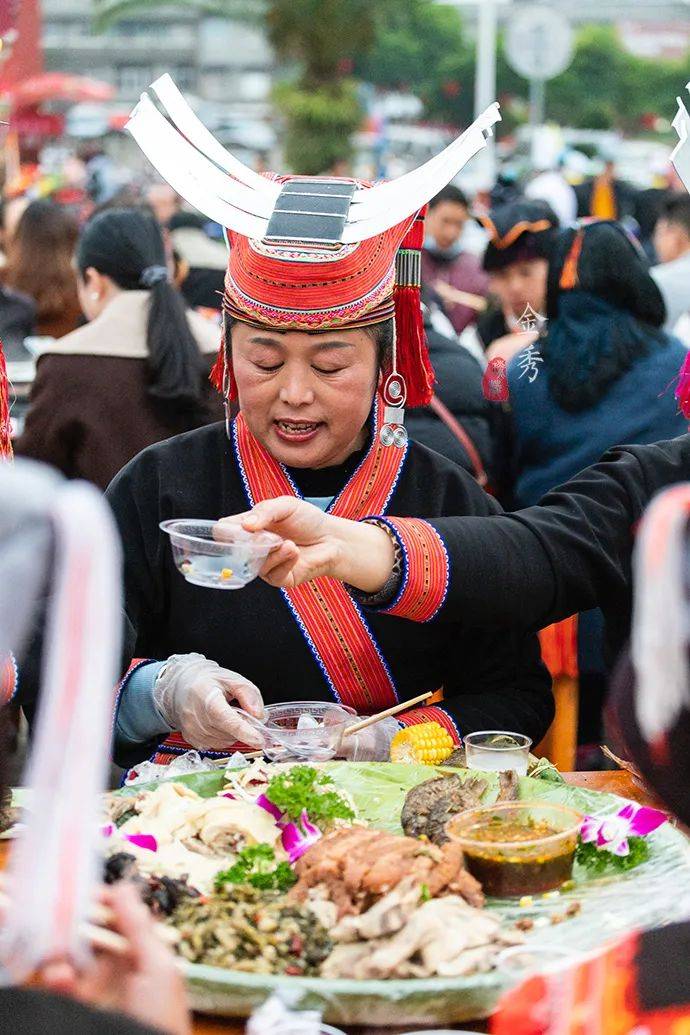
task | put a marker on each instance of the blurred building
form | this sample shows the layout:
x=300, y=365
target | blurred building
x=216, y=59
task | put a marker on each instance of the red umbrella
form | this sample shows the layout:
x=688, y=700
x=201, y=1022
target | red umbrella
x=59, y=86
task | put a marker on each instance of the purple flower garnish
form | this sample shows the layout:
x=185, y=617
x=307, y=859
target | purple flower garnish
x=611, y=832
x=147, y=841
x=265, y=803
x=298, y=837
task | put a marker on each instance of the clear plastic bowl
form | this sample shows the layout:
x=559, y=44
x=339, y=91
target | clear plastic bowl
x=306, y=730
x=229, y=563
x=518, y=848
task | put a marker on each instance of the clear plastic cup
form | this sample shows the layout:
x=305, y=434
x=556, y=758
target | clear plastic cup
x=228, y=563
x=497, y=751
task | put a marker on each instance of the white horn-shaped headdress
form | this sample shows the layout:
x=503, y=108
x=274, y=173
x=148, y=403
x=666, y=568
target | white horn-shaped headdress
x=206, y=175
x=681, y=153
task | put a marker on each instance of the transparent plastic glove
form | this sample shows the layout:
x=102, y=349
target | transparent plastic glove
x=192, y=695
x=372, y=744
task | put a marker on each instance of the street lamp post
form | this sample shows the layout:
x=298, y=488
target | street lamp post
x=485, y=70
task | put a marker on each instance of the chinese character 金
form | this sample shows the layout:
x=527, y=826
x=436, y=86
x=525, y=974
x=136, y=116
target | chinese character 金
x=530, y=320
x=528, y=362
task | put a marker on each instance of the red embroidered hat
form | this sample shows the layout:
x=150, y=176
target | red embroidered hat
x=309, y=253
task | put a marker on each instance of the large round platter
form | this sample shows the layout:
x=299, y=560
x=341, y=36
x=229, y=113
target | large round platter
x=647, y=896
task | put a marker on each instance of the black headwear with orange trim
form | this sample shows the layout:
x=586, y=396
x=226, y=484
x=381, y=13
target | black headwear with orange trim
x=518, y=231
x=600, y=257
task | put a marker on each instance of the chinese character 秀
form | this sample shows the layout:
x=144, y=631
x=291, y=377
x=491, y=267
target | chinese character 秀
x=528, y=362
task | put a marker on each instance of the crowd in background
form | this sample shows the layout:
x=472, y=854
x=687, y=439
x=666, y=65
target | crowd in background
x=557, y=318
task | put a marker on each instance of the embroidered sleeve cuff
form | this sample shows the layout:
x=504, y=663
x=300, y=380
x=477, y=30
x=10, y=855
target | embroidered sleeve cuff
x=425, y=573
x=9, y=679
x=137, y=719
x=432, y=713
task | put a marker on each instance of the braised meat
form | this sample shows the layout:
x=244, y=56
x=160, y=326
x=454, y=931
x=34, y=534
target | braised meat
x=430, y=805
x=355, y=867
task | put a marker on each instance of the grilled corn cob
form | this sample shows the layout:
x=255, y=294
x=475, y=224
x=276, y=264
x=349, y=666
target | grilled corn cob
x=427, y=743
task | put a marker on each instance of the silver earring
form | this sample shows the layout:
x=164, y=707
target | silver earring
x=94, y=296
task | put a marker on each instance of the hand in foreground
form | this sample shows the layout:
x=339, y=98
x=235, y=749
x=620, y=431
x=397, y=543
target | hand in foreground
x=192, y=695
x=317, y=544
x=510, y=344
x=145, y=983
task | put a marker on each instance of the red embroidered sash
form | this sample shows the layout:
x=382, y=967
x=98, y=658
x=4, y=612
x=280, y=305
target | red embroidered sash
x=329, y=619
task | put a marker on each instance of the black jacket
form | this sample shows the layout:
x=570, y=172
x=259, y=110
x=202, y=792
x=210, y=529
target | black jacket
x=459, y=386
x=569, y=553
x=17, y=321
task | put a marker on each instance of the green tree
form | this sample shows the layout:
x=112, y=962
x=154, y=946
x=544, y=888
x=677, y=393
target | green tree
x=318, y=39
x=420, y=47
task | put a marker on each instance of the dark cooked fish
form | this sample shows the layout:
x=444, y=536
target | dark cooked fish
x=430, y=805
x=508, y=786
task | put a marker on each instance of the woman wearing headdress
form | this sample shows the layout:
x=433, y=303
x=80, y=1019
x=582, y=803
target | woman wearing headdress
x=134, y=374
x=323, y=345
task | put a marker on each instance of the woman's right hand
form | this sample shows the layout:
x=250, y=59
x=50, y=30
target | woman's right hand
x=317, y=544
x=193, y=694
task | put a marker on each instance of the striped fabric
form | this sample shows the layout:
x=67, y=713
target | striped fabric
x=9, y=679
x=431, y=713
x=425, y=570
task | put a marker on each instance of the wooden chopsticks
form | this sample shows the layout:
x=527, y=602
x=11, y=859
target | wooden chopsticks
x=371, y=719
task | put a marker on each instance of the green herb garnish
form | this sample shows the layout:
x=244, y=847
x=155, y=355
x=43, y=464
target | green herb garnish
x=424, y=893
x=599, y=861
x=256, y=866
x=301, y=789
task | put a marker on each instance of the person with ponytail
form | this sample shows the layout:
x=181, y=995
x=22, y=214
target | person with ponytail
x=136, y=372
x=324, y=349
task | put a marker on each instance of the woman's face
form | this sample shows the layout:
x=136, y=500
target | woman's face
x=305, y=397
x=521, y=284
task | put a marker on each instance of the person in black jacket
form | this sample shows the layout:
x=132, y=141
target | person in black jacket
x=570, y=552
x=459, y=389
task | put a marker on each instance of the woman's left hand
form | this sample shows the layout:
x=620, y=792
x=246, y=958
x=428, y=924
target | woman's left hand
x=372, y=744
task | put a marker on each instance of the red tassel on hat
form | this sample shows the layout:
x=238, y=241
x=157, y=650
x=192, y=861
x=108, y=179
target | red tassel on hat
x=683, y=388
x=5, y=439
x=412, y=355
x=221, y=372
